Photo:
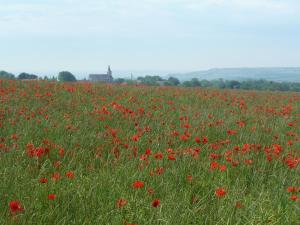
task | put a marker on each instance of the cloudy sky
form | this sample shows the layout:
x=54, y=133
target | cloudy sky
x=166, y=35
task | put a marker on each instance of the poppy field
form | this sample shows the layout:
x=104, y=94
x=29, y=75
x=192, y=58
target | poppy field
x=82, y=153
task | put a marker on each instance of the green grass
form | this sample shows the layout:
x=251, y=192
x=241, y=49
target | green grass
x=80, y=118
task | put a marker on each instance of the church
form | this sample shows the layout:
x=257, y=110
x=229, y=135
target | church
x=107, y=78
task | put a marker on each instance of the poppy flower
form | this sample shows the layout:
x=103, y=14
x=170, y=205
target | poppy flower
x=294, y=197
x=138, y=184
x=290, y=189
x=204, y=140
x=171, y=157
x=55, y=176
x=15, y=206
x=222, y=167
x=70, y=174
x=43, y=180
x=51, y=196
x=155, y=203
x=214, y=165
x=121, y=202
x=220, y=192
x=189, y=178
x=158, y=155
x=150, y=191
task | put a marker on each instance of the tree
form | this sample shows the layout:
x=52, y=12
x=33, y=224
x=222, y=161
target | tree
x=233, y=84
x=187, y=84
x=6, y=75
x=66, y=76
x=195, y=82
x=173, y=81
x=27, y=76
x=205, y=83
x=119, y=80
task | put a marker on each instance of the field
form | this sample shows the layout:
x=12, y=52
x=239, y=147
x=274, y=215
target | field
x=80, y=153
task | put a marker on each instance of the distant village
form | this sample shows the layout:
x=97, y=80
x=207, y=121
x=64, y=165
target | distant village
x=148, y=80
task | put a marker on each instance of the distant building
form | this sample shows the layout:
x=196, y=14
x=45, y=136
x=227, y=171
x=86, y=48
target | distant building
x=102, y=77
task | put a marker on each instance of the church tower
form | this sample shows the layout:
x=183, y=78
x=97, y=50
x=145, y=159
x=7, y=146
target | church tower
x=109, y=73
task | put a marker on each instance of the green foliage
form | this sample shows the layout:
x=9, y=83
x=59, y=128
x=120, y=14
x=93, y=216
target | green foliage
x=150, y=80
x=195, y=82
x=6, y=75
x=119, y=80
x=27, y=76
x=173, y=81
x=66, y=76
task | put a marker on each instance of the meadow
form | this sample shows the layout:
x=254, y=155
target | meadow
x=82, y=153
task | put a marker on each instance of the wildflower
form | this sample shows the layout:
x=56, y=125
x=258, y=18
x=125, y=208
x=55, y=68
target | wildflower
x=294, y=197
x=150, y=191
x=220, y=192
x=214, y=165
x=43, y=180
x=148, y=151
x=51, y=196
x=138, y=184
x=70, y=174
x=171, y=157
x=290, y=189
x=197, y=139
x=204, y=140
x=15, y=206
x=135, y=138
x=222, y=167
x=121, y=202
x=155, y=203
x=55, y=176
x=158, y=155
x=189, y=178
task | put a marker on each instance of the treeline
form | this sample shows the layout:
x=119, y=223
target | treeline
x=65, y=76
x=62, y=76
x=218, y=83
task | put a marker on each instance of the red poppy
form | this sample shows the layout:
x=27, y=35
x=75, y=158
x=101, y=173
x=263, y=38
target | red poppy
x=204, y=140
x=222, y=167
x=55, y=176
x=51, y=196
x=121, y=202
x=290, y=189
x=220, y=192
x=189, y=178
x=158, y=155
x=70, y=174
x=135, y=137
x=171, y=157
x=150, y=191
x=294, y=197
x=148, y=151
x=231, y=132
x=138, y=184
x=197, y=139
x=15, y=206
x=155, y=203
x=43, y=180
x=214, y=165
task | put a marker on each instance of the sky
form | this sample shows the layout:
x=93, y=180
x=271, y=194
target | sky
x=47, y=36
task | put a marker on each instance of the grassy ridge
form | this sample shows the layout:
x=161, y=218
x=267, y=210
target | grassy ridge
x=88, y=144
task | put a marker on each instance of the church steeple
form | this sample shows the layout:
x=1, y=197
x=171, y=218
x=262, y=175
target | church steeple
x=109, y=73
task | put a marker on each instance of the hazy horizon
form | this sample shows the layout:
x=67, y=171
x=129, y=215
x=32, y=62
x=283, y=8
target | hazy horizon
x=149, y=35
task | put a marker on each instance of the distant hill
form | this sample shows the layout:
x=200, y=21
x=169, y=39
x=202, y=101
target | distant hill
x=289, y=74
